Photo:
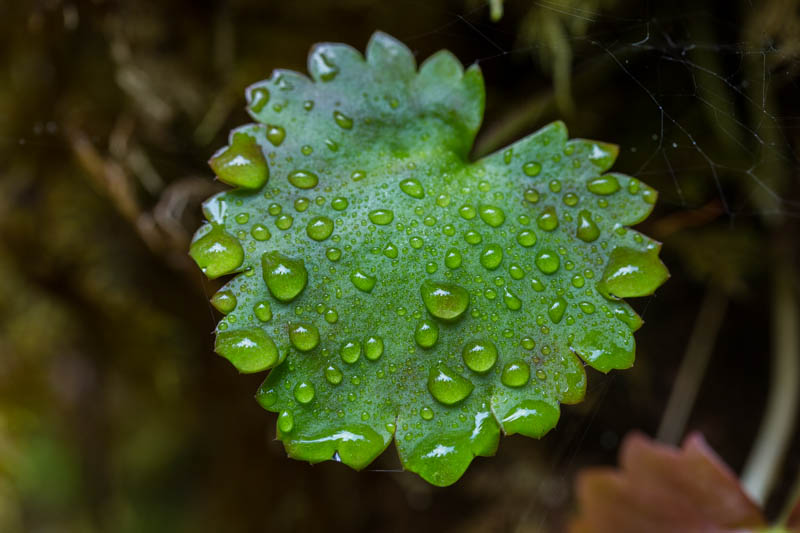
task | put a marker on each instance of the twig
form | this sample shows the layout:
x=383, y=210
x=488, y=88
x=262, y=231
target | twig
x=777, y=426
x=694, y=365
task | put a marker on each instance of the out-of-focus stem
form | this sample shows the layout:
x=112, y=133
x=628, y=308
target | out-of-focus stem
x=693, y=367
x=777, y=426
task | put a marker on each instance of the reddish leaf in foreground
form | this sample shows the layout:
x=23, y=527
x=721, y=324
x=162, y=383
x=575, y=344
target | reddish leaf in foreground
x=662, y=489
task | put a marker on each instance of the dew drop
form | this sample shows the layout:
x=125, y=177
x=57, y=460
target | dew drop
x=373, y=348
x=304, y=392
x=258, y=97
x=350, y=352
x=304, y=337
x=603, y=185
x=333, y=254
x=285, y=277
x=491, y=256
x=275, y=135
x=479, y=355
x=427, y=333
x=319, y=228
x=587, y=228
x=445, y=301
x=224, y=301
x=447, y=386
x=412, y=187
x=260, y=232
x=547, y=220
x=532, y=168
x=472, y=237
x=362, y=281
x=217, y=253
x=342, y=120
x=492, y=215
x=263, y=311
x=511, y=300
x=557, y=309
x=426, y=413
x=381, y=217
x=250, y=350
x=515, y=374
x=531, y=195
x=285, y=422
x=241, y=164
x=452, y=258
x=390, y=251
x=526, y=238
x=333, y=375
x=467, y=212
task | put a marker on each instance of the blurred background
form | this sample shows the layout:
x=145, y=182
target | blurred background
x=115, y=414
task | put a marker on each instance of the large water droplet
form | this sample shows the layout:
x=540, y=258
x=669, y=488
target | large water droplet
x=304, y=392
x=479, y=355
x=303, y=179
x=241, y=164
x=452, y=258
x=511, y=300
x=258, y=98
x=516, y=373
x=491, y=257
x=285, y=422
x=587, y=228
x=532, y=168
x=448, y=386
x=630, y=273
x=412, y=187
x=427, y=333
x=250, y=350
x=445, y=301
x=362, y=280
x=224, y=301
x=304, y=337
x=547, y=262
x=557, y=309
x=319, y=228
x=548, y=220
x=492, y=215
x=381, y=217
x=373, y=348
x=532, y=418
x=285, y=277
x=350, y=352
x=526, y=238
x=275, y=135
x=603, y=185
x=217, y=253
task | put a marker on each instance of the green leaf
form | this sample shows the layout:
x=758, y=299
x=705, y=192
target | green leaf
x=398, y=290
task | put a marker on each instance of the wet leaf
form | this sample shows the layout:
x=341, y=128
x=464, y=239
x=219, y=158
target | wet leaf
x=398, y=290
x=661, y=489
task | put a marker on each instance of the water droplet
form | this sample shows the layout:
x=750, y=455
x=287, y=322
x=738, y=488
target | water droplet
x=532, y=168
x=511, y=300
x=324, y=67
x=275, y=135
x=339, y=203
x=362, y=280
x=304, y=392
x=631, y=273
x=224, y=301
x=570, y=199
x=587, y=228
x=445, y=301
x=603, y=185
x=472, y=237
x=452, y=258
x=467, y=212
x=250, y=350
x=578, y=281
x=331, y=316
x=274, y=209
x=260, y=232
x=649, y=195
x=304, y=337
x=263, y=311
x=426, y=413
x=540, y=374
x=447, y=386
x=373, y=348
x=358, y=175
x=285, y=277
x=217, y=253
x=319, y=228
x=547, y=262
x=443, y=200
x=548, y=220
x=241, y=164
x=557, y=309
x=515, y=374
x=284, y=222
x=350, y=352
x=242, y=218
x=531, y=195
x=516, y=271
x=491, y=257
x=492, y=215
x=390, y=251
x=526, y=238
x=381, y=217
x=333, y=254
x=555, y=185
x=479, y=355
x=303, y=179
x=259, y=97
x=285, y=422
x=412, y=187
x=587, y=307
x=333, y=375
x=427, y=333
x=342, y=120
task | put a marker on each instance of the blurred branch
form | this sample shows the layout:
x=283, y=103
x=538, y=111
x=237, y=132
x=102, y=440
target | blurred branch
x=694, y=365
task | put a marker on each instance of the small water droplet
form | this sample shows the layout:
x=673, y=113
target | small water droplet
x=303, y=179
x=467, y=212
x=362, y=281
x=412, y=187
x=350, y=352
x=557, y=309
x=515, y=374
x=603, y=185
x=547, y=262
x=447, y=386
x=285, y=422
x=390, y=251
x=381, y=217
x=285, y=277
x=217, y=252
x=373, y=348
x=445, y=301
x=587, y=228
x=319, y=228
x=263, y=311
x=547, y=220
x=427, y=333
x=526, y=238
x=532, y=168
x=491, y=256
x=339, y=203
x=260, y=232
x=250, y=350
x=452, y=258
x=426, y=413
x=304, y=392
x=224, y=301
x=342, y=120
x=258, y=98
x=531, y=195
x=492, y=215
x=304, y=337
x=275, y=135
x=511, y=300
x=479, y=355
x=333, y=254
x=333, y=375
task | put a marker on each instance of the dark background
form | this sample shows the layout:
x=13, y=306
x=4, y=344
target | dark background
x=115, y=415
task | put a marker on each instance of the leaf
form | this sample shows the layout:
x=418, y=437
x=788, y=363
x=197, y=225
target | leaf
x=398, y=290
x=662, y=489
